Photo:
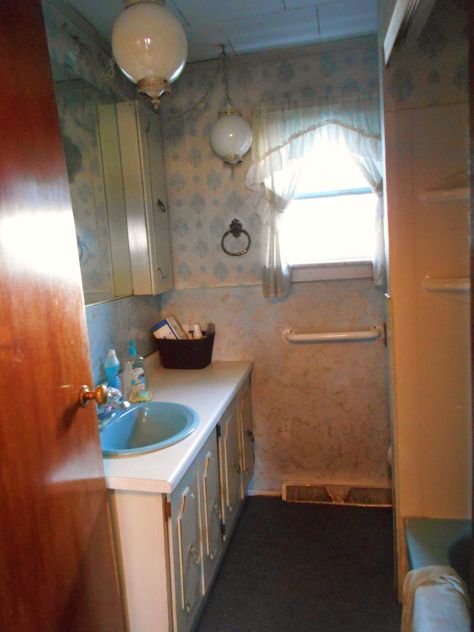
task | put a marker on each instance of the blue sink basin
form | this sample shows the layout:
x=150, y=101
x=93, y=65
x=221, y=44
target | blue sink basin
x=147, y=427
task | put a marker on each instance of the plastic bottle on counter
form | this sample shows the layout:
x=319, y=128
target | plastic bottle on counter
x=111, y=367
x=138, y=392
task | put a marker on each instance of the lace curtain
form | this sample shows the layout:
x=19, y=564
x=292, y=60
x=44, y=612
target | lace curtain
x=282, y=137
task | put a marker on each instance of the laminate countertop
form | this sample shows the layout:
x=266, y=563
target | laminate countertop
x=209, y=391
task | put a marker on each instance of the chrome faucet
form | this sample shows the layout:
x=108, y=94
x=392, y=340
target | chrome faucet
x=115, y=401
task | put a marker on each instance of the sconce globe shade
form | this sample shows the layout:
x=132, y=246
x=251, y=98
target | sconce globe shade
x=231, y=136
x=148, y=43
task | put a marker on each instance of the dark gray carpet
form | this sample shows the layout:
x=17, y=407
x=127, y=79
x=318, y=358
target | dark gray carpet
x=306, y=568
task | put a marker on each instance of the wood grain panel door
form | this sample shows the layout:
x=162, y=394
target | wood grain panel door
x=56, y=560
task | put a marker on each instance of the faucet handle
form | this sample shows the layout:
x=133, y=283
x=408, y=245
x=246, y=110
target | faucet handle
x=116, y=399
x=114, y=395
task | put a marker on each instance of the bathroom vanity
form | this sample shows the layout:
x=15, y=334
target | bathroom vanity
x=174, y=510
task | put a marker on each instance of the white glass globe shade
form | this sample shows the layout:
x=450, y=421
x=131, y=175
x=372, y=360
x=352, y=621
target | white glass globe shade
x=148, y=41
x=231, y=137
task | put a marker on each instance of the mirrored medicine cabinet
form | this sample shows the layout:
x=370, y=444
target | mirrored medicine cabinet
x=114, y=158
x=93, y=160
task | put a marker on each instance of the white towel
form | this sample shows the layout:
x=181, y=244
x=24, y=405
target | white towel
x=435, y=599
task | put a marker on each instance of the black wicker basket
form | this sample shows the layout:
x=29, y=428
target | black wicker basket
x=186, y=354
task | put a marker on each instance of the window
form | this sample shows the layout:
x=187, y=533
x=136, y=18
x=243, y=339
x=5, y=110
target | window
x=331, y=218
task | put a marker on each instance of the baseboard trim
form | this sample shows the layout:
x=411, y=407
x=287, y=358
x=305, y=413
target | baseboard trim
x=263, y=492
x=373, y=495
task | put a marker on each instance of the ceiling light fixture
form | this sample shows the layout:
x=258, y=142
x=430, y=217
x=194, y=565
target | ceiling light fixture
x=231, y=136
x=149, y=46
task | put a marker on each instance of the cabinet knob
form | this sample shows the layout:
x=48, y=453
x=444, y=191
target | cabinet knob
x=251, y=436
x=237, y=468
x=187, y=607
x=195, y=555
x=100, y=395
x=212, y=555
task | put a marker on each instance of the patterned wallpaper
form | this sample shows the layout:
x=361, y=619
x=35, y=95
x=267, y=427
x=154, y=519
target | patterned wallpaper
x=111, y=325
x=76, y=102
x=434, y=70
x=320, y=411
x=204, y=194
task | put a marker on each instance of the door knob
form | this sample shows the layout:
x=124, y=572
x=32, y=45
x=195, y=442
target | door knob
x=99, y=395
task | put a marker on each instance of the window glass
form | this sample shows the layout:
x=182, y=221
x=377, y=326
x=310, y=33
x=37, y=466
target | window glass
x=331, y=218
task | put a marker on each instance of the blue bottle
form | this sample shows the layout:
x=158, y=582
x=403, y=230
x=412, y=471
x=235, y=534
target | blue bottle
x=111, y=366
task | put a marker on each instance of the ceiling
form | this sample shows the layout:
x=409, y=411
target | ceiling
x=247, y=26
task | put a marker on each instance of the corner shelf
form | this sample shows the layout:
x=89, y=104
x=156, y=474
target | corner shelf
x=453, y=284
x=444, y=196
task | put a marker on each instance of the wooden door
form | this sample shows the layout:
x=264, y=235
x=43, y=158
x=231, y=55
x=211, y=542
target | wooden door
x=56, y=560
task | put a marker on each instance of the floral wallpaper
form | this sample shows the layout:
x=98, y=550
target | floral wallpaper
x=111, y=325
x=434, y=70
x=319, y=410
x=77, y=102
x=76, y=50
x=204, y=194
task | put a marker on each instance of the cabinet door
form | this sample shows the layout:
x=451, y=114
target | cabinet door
x=145, y=195
x=211, y=516
x=158, y=216
x=229, y=453
x=246, y=438
x=186, y=550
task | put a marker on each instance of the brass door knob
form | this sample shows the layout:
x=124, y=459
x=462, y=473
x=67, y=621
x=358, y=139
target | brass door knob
x=99, y=395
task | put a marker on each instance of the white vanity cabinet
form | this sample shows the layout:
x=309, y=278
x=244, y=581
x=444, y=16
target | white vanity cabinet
x=169, y=546
x=195, y=532
x=145, y=195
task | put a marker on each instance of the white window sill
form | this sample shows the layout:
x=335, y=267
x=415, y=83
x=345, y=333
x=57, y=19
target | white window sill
x=332, y=271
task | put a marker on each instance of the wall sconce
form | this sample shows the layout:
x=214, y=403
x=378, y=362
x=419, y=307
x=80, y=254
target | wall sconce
x=231, y=136
x=149, y=46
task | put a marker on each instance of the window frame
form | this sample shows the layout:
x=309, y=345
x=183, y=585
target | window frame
x=332, y=270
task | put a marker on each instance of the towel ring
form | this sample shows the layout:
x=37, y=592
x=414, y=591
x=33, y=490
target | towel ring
x=235, y=229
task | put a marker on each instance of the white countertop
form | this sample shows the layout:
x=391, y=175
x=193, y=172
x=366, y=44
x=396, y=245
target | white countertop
x=209, y=391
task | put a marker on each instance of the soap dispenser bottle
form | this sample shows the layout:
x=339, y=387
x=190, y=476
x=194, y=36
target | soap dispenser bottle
x=111, y=367
x=138, y=392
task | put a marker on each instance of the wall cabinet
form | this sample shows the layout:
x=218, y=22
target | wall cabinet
x=170, y=546
x=145, y=196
